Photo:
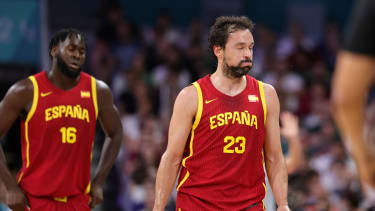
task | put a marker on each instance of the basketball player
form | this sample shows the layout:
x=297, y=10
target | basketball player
x=220, y=126
x=58, y=111
x=354, y=75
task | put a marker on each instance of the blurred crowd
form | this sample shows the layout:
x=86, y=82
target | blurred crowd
x=147, y=66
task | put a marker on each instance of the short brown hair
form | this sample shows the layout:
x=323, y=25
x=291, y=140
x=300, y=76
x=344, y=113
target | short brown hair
x=224, y=25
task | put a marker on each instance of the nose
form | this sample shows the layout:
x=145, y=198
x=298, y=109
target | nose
x=76, y=55
x=248, y=53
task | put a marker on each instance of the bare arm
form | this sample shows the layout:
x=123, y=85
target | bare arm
x=273, y=156
x=290, y=131
x=181, y=122
x=17, y=101
x=111, y=124
x=353, y=77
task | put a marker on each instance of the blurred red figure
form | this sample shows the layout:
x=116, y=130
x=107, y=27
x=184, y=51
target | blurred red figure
x=58, y=111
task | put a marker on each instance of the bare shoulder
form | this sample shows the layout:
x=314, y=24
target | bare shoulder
x=272, y=100
x=19, y=97
x=21, y=87
x=104, y=94
x=270, y=93
x=21, y=92
x=101, y=86
x=187, y=100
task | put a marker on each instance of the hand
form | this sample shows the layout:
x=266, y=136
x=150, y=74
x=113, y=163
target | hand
x=283, y=208
x=289, y=127
x=16, y=199
x=96, y=194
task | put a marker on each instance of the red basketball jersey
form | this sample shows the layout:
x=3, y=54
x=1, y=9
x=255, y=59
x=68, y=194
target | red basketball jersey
x=57, y=138
x=223, y=161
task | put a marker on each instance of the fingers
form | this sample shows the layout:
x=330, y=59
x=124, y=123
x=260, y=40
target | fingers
x=288, y=118
x=94, y=201
x=289, y=127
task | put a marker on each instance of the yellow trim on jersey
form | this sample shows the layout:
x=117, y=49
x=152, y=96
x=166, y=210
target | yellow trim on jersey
x=20, y=178
x=265, y=190
x=94, y=96
x=183, y=180
x=200, y=106
x=88, y=188
x=264, y=104
x=29, y=115
x=198, y=116
x=61, y=199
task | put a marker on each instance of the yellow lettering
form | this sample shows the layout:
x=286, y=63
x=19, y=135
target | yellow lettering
x=62, y=110
x=220, y=119
x=48, y=114
x=69, y=111
x=78, y=112
x=228, y=115
x=85, y=115
x=212, y=122
x=245, y=118
x=254, y=121
x=55, y=112
x=236, y=117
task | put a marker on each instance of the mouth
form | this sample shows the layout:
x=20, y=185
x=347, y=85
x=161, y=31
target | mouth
x=74, y=66
x=247, y=64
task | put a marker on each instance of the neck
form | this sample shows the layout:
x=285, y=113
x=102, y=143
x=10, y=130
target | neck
x=60, y=80
x=226, y=85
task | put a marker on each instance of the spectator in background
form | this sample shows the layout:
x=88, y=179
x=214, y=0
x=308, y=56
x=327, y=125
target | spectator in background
x=290, y=130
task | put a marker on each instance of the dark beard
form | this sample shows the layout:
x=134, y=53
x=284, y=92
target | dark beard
x=236, y=71
x=66, y=70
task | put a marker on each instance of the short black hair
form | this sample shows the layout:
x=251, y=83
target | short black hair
x=61, y=36
x=225, y=25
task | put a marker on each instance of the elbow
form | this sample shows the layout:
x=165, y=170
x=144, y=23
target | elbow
x=171, y=159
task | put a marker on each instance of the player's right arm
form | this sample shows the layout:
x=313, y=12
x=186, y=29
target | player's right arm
x=184, y=110
x=16, y=102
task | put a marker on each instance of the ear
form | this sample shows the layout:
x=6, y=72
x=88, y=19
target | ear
x=218, y=51
x=54, y=51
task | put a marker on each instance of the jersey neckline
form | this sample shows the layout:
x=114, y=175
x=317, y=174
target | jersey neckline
x=54, y=88
x=225, y=96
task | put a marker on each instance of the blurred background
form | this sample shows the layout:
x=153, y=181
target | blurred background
x=147, y=51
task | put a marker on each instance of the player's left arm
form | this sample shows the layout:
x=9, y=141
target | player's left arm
x=111, y=124
x=273, y=156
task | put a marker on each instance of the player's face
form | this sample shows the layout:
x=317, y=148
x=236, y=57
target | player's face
x=71, y=56
x=238, y=54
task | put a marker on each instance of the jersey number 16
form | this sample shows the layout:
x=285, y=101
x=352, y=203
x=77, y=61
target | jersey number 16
x=68, y=135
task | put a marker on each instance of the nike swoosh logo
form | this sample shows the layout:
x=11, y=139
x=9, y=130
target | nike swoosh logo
x=209, y=101
x=45, y=94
